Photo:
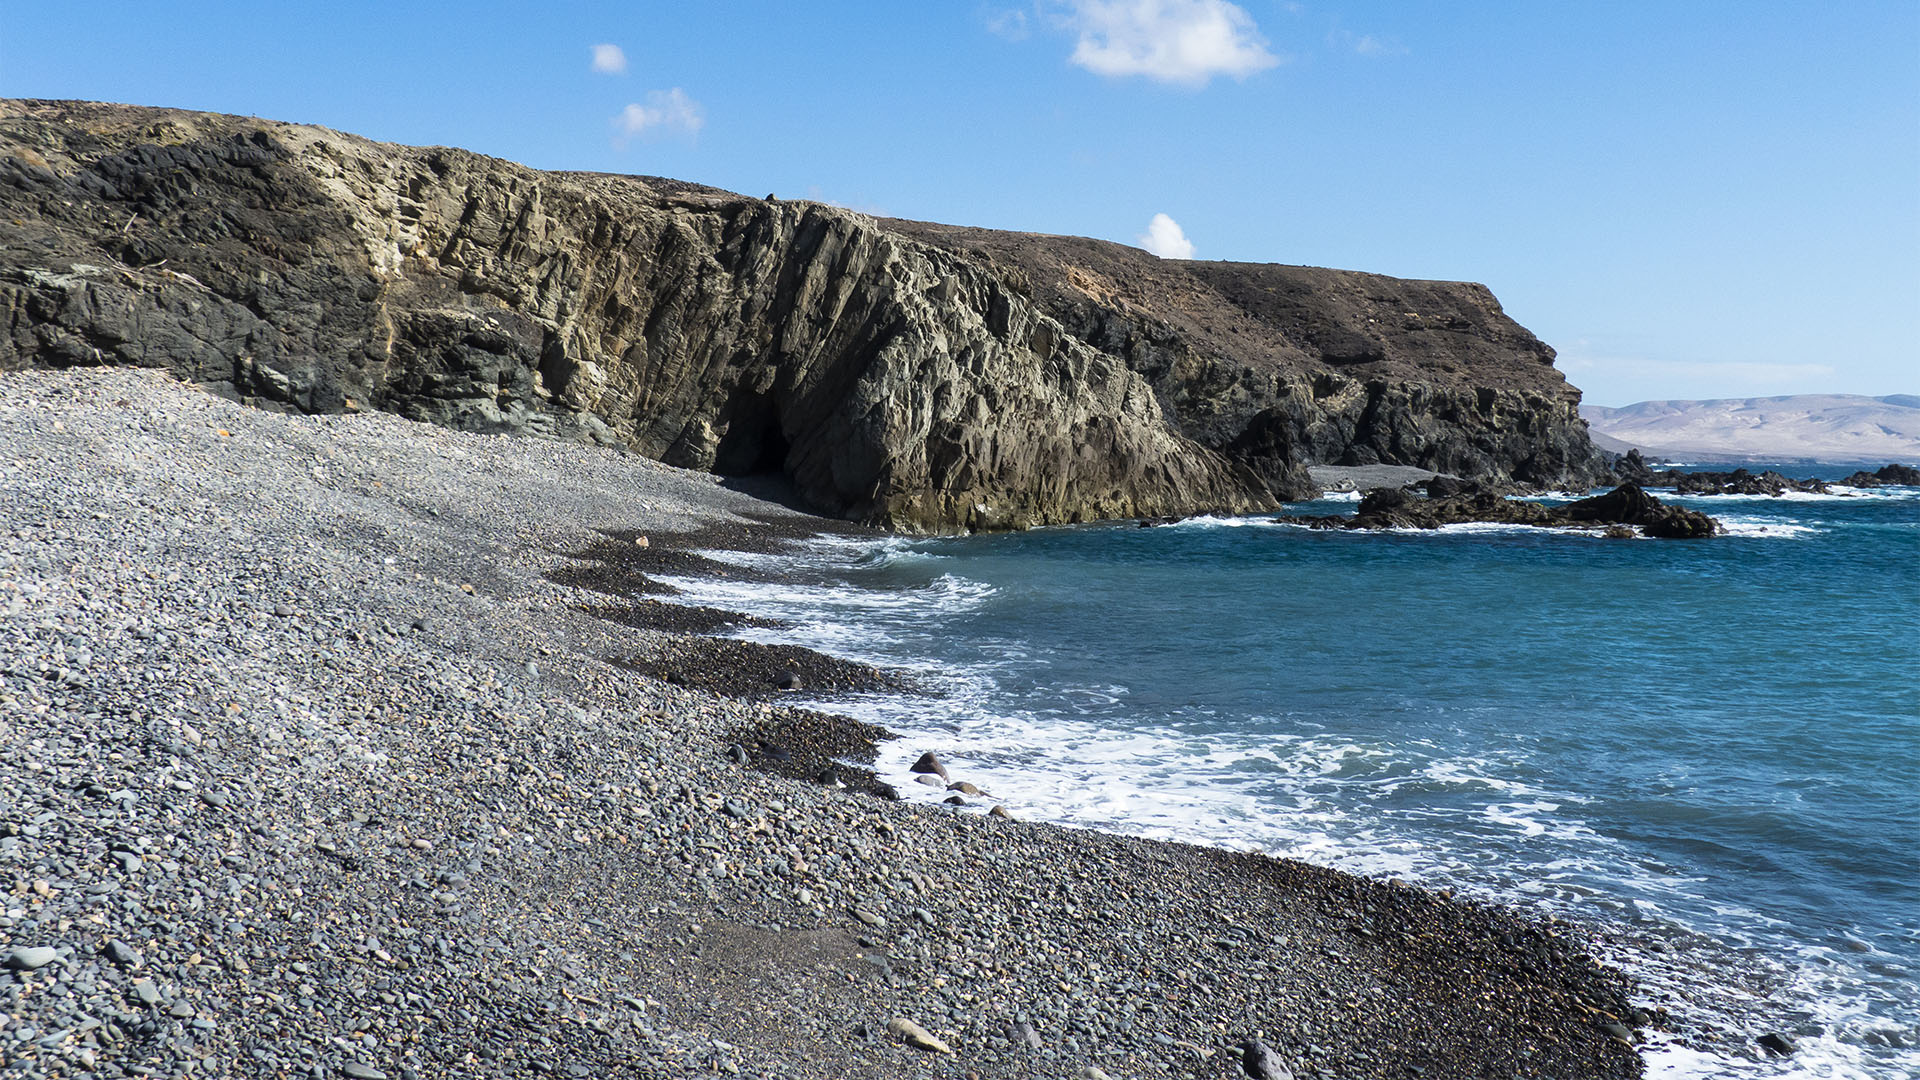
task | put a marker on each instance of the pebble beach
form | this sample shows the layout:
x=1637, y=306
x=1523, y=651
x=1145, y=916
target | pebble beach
x=350, y=746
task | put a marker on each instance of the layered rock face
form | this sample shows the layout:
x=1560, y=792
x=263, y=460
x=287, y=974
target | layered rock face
x=910, y=375
x=1301, y=365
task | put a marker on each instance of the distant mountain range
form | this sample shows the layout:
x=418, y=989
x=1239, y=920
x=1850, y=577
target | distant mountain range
x=1802, y=427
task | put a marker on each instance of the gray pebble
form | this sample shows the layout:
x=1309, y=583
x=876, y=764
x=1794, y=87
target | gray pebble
x=31, y=958
x=121, y=953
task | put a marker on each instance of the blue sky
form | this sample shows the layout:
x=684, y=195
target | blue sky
x=1705, y=199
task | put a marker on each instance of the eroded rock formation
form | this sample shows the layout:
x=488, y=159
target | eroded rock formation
x=1626, y=507
x=907, y=374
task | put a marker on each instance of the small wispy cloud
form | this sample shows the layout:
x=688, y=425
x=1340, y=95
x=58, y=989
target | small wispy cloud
x=609, y=59
x=1368, y=45
x=1164, y=237
x=664, y=111
x=1187, y=42
x=1009, y=23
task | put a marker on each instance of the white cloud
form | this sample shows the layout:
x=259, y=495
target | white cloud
x=1368, y=45
x=1165, y=238
x=1176, y=41
x=1010, y=23
x=1365, y=44
x=665, y=110
x=609, y=60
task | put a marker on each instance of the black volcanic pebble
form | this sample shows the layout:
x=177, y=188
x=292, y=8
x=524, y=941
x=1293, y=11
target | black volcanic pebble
x=1776, y=1044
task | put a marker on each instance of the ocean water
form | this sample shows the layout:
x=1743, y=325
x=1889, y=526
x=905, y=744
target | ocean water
x=1708, y=752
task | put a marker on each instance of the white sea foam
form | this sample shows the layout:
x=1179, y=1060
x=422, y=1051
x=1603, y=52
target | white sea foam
x=1212, y=522
x=1766, y=528
x=1273, y=797
x=1293, y=793
x=1493, y=528
x=1832, y=495
x=848, y=620
x=861, y=552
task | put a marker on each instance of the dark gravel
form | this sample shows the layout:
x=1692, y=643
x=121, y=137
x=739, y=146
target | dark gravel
x=750, y=669
x=310, y=771
x=674, y=618
x=823, y=748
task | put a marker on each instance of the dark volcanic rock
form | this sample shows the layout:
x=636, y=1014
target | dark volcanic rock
x=1776, y=1044
x=1902, y=475
x=1634, y=469
x=1629, y=505
x=909, y=375
x=1738, y=482
x=1399, y=508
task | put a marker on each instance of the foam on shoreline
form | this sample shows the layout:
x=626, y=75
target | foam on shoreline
x=1080, y=783
x=423, y=778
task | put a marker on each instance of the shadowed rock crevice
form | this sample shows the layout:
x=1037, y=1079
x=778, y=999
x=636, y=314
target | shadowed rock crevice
x=913, y=376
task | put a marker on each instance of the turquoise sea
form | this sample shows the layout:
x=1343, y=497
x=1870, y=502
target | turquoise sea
x=1707, y=751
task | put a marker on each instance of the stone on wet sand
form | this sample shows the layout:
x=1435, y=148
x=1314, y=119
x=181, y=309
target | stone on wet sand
x=1260, y=1062
x=916, y=1036
x=1776, y=1044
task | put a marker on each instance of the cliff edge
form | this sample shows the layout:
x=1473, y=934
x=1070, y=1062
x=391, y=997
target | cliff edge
x=912, y=375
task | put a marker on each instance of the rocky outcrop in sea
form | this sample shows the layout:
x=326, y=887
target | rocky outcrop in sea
x=1634, y=469
x=916, y=376
x=1625, y=511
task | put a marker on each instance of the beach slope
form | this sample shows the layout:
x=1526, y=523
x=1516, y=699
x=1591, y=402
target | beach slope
x=314, y=768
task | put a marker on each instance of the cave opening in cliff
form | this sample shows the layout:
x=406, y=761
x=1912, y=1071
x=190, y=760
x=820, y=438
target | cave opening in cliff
x=755, y=444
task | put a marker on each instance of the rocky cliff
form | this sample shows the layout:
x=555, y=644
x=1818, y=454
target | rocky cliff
x=1303, y=365
x=913, y=375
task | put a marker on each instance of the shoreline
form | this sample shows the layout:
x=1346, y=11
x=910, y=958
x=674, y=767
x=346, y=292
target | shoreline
x=316, y=756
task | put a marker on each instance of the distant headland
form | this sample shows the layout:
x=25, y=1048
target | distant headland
x=1801, y=427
